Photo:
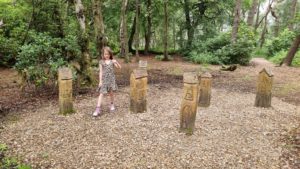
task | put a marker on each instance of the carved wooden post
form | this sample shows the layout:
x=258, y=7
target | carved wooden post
x=138, y=91
x=189, y=102
x=65, y=91
x=264, y=89
x=205, y=90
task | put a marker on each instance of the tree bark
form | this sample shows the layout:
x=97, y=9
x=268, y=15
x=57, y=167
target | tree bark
x=165, y=31
x=84, y=43
x=148, y=28
x=137, y=30
x=188, y=24
x=292, y=14
x=257, y=17
x=236, y=21
x=130, y=41
x=291, y=54
x=252, y=12
x=123, y=32
x=98, y=26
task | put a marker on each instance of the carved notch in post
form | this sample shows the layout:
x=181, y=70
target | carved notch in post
x=65, y=91
x=205, y=90
x=264, y=89
x=189, y=102
x=138, y=91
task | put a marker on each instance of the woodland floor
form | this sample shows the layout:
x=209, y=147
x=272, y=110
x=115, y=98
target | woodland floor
x=231, y=133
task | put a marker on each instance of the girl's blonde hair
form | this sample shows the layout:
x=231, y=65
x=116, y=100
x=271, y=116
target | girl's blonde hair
x=108, y=49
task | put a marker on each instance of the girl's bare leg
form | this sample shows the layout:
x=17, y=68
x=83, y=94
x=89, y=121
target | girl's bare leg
x=98, y=109
x=112, y=107
x=111, y=94
x=99, y=100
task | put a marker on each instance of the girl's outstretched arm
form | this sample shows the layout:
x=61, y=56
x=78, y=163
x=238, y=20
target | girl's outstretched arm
x=117, y=64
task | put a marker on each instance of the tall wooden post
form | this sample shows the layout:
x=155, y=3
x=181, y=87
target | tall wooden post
x=138, y=90
x=205, y=90
x=189, y=102
x=65, y=91
x=264, y=89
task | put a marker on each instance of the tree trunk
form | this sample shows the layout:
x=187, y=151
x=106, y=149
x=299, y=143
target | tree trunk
x=292, y=14
x=277, y=24
x=236, y=21
x=148, y=28
x=98, y=26
x=257, y=17
x=123, y=32
x=137, y=30
x=188, y=24
x=293, y=50
x=165, y=31
x=130, y=41
x=252, y=12
x=264, y=31
x=85, y=62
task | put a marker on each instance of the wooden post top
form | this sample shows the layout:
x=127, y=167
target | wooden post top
x=206, y=75
x=140, y=73
x=65, y=73
x=267, y=72
x=143, y=64
x=190, y=77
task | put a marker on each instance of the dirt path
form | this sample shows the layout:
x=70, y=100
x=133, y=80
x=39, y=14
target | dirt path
x=262, y=62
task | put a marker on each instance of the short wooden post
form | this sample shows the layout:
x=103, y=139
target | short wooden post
x=205, y=90
x=138, y=91
x=189, y=102
x=264, y=89
x=65, y=91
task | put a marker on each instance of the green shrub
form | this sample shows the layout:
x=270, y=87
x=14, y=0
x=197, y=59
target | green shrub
x=236, y=53
x=42, y=57
x=220, y=50
x=161, y=57
x=282, y=42
x=204, y=58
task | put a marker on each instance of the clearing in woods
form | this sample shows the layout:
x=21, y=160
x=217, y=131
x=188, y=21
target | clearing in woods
x=231, y=133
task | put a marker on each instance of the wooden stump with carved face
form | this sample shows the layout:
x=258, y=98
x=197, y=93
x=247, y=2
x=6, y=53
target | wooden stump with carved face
x=205, y=90
x=189, y=103
x=65, y=91
x=138, y=91
x=264, y=89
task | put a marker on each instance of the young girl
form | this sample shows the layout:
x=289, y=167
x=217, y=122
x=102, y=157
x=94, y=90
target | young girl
x=107, y=80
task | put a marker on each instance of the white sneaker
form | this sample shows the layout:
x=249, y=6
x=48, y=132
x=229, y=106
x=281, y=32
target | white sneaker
x=96, y=113
x=112, y=108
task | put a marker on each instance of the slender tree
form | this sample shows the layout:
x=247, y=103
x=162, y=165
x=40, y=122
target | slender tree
x=84, y=43
x=236, y=21
x=123, y=32
x=165, y=30
x=292, y=51
x=252, y=12
x=148, y=27
x=98, y=26
x=188, y=23
x=131, y=36
x=292, y=14
x=137, y=30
